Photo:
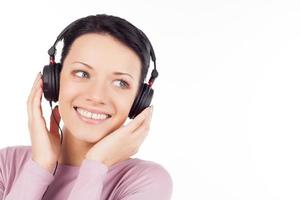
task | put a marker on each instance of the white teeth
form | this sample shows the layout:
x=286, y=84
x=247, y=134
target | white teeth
x=90, y=115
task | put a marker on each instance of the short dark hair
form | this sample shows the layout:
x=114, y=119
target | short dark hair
x=117, y=27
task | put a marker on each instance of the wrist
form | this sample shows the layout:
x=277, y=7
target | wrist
x=47, y=166
x=98, y=159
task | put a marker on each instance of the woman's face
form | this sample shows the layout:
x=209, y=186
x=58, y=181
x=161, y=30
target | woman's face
x=99, y=75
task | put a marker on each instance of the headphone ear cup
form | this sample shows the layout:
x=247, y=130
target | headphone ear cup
x=142, y=101
x=57, y=70
x=47, y=82
x=51, y=76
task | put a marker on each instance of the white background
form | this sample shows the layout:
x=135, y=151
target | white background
x=226, y=105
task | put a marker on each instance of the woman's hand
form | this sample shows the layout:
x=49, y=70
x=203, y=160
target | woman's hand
x=123, y=142
x=45, y=144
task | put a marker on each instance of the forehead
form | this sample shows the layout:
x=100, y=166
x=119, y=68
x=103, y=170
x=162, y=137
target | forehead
x=104, y=52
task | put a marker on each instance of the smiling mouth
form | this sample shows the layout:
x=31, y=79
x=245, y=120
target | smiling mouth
x=89, y=117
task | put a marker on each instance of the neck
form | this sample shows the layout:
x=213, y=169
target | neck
x=72, y=151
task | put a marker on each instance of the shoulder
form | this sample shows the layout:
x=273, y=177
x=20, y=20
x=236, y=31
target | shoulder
x=15, y=155
x=147, y=177
x=12, y=160
x=11, y=151
x=150, y=169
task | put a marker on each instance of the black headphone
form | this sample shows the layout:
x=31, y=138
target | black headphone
x=51, y=77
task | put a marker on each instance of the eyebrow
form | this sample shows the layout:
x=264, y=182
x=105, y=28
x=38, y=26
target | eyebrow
x=116, y=73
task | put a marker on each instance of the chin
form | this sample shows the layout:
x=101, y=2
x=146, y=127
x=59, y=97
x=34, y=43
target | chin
x=86, y=135
x=94, y=133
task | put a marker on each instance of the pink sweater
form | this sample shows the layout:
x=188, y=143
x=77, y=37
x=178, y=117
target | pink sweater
x=23, y=179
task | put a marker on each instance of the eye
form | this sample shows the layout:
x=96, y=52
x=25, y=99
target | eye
x=81, y=74
x=121, y=83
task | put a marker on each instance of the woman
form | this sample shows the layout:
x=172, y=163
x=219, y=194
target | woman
x=104, y=62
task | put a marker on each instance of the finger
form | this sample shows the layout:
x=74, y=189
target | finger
x=37, y=125
x=36, y=101
x=35, y=84
x=145, y=126
x=150, y=116
x=141, y=133
x=138, y=120
x=54, y=121
x=32, y=94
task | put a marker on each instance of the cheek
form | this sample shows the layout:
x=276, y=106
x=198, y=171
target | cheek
x=67, y=90
x=125, y=102
x=67, y=93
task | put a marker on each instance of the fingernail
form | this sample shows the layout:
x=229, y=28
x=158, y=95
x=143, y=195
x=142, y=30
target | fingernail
x=151, y=113
x=38, y=75
x=151, y=109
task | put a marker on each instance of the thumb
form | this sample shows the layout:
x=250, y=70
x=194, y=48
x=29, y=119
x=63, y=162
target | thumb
x=54, y=121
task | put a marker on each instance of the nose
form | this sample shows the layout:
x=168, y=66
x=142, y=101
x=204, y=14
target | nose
x=97, y=92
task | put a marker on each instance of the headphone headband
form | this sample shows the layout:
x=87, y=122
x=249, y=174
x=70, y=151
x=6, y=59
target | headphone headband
x=52, y=50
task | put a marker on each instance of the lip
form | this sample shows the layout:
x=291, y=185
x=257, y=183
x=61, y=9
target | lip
x=97, y=111
x=90, y=121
